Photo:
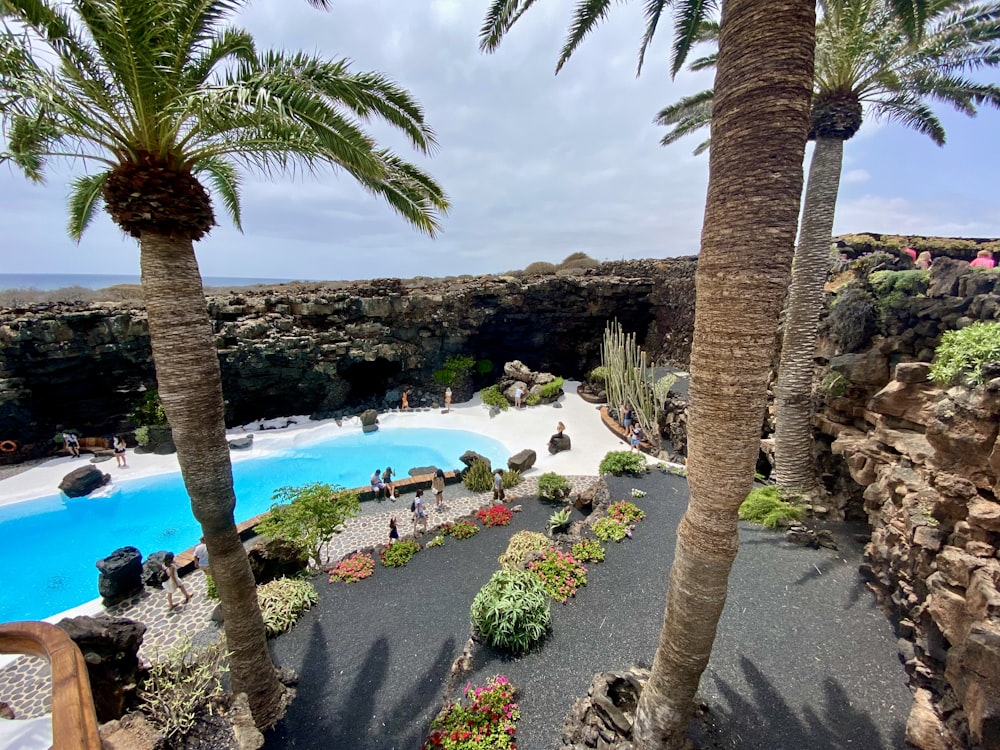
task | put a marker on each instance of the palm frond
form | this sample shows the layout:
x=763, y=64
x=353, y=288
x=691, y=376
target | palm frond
x=411, y=192
x=653, y=11
x=500, y=17
x=912, y=15
x=910, y=111
x=689, y=114
x=587, y=15
x=225, y=181
x=84, y=200
x=687, y=24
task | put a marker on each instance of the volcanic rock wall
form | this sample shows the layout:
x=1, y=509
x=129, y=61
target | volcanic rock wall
x=924, y=462
x=331, y=347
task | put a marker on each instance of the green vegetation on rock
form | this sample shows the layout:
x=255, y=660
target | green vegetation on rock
x=767, y=507
x=962, y=354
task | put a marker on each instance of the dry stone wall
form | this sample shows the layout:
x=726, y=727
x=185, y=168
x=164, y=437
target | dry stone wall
x=924, y=463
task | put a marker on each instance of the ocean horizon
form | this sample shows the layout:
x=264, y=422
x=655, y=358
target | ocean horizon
x=47, y=282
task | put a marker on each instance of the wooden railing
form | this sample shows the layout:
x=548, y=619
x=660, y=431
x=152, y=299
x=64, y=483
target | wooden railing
x=74, y=722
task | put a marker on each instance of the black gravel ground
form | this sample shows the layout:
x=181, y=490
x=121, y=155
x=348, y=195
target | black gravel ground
x=803, y=657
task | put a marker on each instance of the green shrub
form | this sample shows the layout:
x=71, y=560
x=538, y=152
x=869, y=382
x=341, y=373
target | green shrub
x=877, y=261
x=479, y=477
x=551, y=389
x=353, y=569
x=541, y=268
x=142, y=436
x=532, y=399
x=588, y=550
x=182, y=686
x=511, y=611
x=521, y=545
x=834, y=385
x=455, y=367
x=767, y=507
x=460, y=529
x=210, y=589
x=282, y=601
x=610, y=530
x=437, y=541
x=620, y=463
x=493, y=396
x=626, y=512
x=559, y=519
x=149, y=410
x=961, y=355
x=511, y=478
x=397, y=554
x=598, y=375
x=310, y=515
x=484, y=366
x=554, y=487
x=853, y=317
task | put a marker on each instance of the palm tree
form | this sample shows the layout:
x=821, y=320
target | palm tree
x=159, y=97
x=755, y=181
x=864, y=59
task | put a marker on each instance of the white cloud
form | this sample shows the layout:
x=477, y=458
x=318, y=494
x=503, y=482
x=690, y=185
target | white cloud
x=853, y=176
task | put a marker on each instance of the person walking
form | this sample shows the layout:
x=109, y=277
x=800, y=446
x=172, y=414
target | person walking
x=636, y=437
x=173, y=582
x=518, y=395
x=419, y=514
x=447, y=399
x=498, y=493
x=437, y=485
x=119, y=448
x=393, y=530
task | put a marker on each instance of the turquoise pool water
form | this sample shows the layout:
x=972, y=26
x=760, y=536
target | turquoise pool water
x=48, y=546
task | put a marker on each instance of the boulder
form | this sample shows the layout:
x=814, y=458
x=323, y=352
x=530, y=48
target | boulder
x=913, y=372
x=133, y=732
x=559, y=444
x=369, y=428
x=160, y=440
x=422, y=471
x=470, y=457
x=154, y=570
x=275, y=558
x=522, y=461
x=865, y=369
x=121, y=575
x=110, y=647
x=369, y=417
x=241, y=443
x=81, y=482
x=974, y=672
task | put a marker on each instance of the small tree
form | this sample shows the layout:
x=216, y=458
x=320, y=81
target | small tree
x=309, y=515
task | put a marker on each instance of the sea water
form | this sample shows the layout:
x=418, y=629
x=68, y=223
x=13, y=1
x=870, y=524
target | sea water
x=46, y=282
x=48, y=546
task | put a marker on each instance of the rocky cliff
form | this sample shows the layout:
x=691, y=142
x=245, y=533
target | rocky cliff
x=922, y=463
x=329, y=348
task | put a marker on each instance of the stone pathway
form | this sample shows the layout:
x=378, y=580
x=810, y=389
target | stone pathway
x=26, y=685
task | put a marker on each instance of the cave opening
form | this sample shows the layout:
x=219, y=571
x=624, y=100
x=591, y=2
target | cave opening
x=368, y=379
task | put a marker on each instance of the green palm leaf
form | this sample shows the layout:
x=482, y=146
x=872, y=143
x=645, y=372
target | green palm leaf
x=84, y=200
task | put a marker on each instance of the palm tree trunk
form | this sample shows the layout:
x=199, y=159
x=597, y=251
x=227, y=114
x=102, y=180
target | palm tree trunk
x=759, y=124
x=793, y=437
x=190, y=386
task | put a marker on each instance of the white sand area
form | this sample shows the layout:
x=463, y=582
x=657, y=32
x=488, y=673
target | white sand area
x=529, y=427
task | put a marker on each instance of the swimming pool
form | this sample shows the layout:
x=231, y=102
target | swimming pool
x=48, y=546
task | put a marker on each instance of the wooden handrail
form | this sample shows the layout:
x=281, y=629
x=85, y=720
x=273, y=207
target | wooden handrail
x=74, y=721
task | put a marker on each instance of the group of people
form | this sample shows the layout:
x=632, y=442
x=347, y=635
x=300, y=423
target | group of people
x=923, y=260
x=417, y=509
x=72, y=443
x=633, y=430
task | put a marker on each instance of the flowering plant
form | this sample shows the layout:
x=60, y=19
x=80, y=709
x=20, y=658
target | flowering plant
x=460, y=529
x=612, y=530
x=396, y=555
x=561, y=574
x=588, y=550
x=353, y=569
x=625, y=512
x=486, y=720
x=437, y=541
x=497, y=515
x=638, y=493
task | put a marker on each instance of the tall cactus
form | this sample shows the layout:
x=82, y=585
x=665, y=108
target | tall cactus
x=630, y=380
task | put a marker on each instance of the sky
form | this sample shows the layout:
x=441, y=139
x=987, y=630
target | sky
x=537, y=166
